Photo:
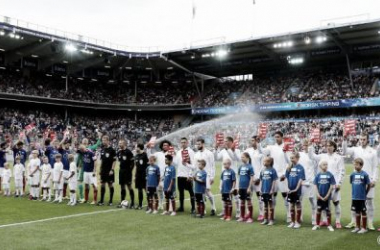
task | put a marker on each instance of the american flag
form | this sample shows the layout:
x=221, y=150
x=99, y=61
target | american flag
x=219, y=138
x=349, y=127
x=315, y=135
x=289, y=144
x=263, y=129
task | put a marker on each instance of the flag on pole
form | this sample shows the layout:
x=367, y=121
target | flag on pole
x=30, y=127
x=349, y=127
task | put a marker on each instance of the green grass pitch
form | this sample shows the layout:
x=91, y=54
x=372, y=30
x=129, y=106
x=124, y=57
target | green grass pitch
x=132, y=229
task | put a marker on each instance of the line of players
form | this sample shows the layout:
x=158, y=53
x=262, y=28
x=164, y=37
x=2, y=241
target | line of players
x=185, y=162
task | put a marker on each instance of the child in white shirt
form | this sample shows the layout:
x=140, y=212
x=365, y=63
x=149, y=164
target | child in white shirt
x=18, y=174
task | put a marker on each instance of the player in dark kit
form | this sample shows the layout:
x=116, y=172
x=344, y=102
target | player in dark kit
x=125, y=158
x=141, y=162
x=107, y=170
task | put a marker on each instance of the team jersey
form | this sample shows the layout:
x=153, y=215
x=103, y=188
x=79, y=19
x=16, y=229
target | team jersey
x=200, y=186
x=50, y=152
x=276, y=151
x=267, y=177
x=208, y=156
x=18, y=171
x=57, y=170
x=256, y=158
x=234, y=156
x=46, y=170
x=21, y=153
x=88, y=160
x=228, y=177
x=6, y=176
x=245, y=173
x=359, y=182
x=335, y=164
x=2, y=158
x=65, y=158
x=33, y=165
x=294, y=175
x=369, y=156
x=108, y=157
x=125, y=158
x=73, y=168
x=168, y=177
x=141, y=162
x=309, y=166
x=152, y=176
x=185, y=170
x=324, y=181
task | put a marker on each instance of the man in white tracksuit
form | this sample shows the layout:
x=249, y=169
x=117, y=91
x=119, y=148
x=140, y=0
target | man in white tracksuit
x=336, y=167
x=205, y=154
x=230, y=152
x=280, y=162
x=257, y=163
x=369, y=156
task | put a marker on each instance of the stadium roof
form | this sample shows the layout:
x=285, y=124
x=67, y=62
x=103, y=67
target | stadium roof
x=311, y=48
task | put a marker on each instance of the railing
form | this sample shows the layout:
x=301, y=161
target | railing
x=91, y=105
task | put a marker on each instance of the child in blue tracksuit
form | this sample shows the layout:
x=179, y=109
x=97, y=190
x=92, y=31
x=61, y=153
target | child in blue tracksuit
x=169, y=185
x=268, y=178
x=246, y=174
x=152, y=181
x=200, y=180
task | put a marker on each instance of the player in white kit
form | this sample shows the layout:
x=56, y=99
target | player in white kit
x=6, y=179
x=46, y=179
x=308, y=190
x=160, y=161
x=18, y=174
x=228, y=151
x=206, y=155
x=34, y=175
x=73, y=180
x=276, y=151
x=58, y=178
x=369, y=156
x=336, y=167
x=257, y=163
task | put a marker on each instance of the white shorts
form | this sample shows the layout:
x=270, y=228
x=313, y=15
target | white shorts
x=89, y=179
x=66, y=174
x=282, y=186
x=1, y=172
x=307, y=192
x=371, y=193
x=19, y=183
x=73, y=184
x=58, y=186
x=35, y=180
x=6, y=185
x=47, y=184
x=335, y=196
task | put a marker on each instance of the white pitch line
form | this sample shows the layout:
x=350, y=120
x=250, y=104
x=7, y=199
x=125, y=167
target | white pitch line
x=58, y=218
x=68, y=216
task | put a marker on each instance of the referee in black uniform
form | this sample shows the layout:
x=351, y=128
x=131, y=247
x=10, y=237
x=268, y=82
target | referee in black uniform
x=141, y=161
x=107, y=169
x=125, y=157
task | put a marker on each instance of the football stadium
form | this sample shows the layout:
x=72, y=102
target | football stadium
x=189, y=124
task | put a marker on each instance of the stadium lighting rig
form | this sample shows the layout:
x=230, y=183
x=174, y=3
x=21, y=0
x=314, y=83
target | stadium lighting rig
x=286, y=44
x=2, y=33
x=70, y=47
x=221, y=53
x=295, y=60
x=320, y=39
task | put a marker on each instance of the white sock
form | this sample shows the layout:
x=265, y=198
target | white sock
x=49, y=193
x=60, y=194
x=74, y=198
x=313, y=204
x=210, y=196
x=286, y=203
x=337, y=213
x=370, y=210
x=56, y=194
x=261, y=206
